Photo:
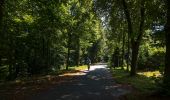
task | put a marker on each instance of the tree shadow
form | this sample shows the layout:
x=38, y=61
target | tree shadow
x=97, y=84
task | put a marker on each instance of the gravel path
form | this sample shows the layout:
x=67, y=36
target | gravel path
x=96, y=84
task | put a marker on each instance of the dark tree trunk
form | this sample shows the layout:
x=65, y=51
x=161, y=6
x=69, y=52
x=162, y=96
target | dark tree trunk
x=48, y=58
x=10, y=61
x=68, y=51
x=1, y=10
x=0, y=60
x=128, y=60
x=123, y=50
x=116, y=57
x=78, y=52
x=128, y=18
x=130, y=29
x=1, y=16
x=167, y=57
x=135, y=49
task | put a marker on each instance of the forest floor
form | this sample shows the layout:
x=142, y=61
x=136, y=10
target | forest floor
x=96, y=84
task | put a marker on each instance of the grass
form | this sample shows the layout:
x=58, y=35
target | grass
x=145, y=85
x=83, y=67
x=71, y=69
x=143, y=81
x=150, y=73
x=80, y=68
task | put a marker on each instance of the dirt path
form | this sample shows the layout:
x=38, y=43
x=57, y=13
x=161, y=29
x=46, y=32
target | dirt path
x=96, y=84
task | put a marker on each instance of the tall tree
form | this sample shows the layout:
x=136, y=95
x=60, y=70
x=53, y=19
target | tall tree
x=135, y=41
x=1, y=16
x=1, y=10
x=167, y=60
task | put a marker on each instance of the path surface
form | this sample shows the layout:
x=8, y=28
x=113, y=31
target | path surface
x=96, y=84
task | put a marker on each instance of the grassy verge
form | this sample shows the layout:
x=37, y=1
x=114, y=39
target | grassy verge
x=145, y=82
x=80, y=68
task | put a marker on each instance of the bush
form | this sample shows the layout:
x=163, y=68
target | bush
x=151, y=59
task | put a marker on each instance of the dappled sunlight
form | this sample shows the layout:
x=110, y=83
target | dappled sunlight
x=83, y=49
x=151, y=74
x=95, y=83
x=20, y=88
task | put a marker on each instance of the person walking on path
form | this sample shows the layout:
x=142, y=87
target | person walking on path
x=88, y=62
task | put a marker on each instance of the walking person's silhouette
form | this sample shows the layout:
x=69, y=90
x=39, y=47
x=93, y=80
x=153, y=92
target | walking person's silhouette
x=88, y=62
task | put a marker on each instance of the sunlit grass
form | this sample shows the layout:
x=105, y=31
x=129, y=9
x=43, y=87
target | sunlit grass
x=143, y=81
x=71, y=68
x=74, y=70
x=150, y=73
x=82, y=67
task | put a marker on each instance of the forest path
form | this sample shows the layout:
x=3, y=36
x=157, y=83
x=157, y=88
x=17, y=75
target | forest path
x=96, y=84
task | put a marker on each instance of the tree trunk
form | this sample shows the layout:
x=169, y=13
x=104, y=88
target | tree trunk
x=1, y=10
x=123, y=50
x=128, y=17
x=1, y=16
x=136, y=43
x=128, y=60
x=167, y=60
x=68, y=51
x=0, y=60
x=10, y=60
x=135, y=49
x=130, y=28
x=78, y=52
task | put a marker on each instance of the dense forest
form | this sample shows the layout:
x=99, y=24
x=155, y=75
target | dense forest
x=47, y=36
x=43, y=36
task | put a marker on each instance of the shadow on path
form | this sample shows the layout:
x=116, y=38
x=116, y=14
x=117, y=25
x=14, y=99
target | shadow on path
x=96, y=84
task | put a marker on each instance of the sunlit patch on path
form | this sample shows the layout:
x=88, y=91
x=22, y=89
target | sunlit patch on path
x=94, y=67
x=73, y=74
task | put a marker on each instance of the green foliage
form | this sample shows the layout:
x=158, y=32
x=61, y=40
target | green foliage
x=35, y=35
x=151, y=55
